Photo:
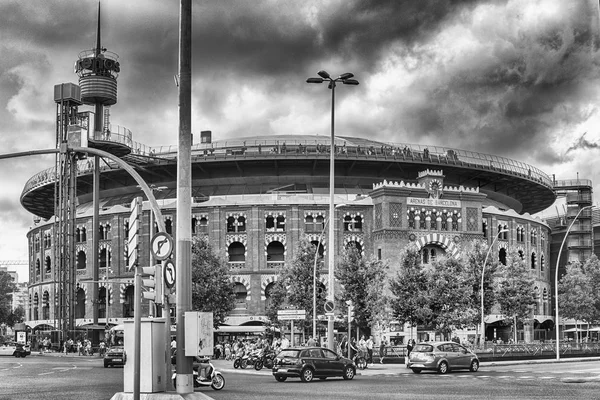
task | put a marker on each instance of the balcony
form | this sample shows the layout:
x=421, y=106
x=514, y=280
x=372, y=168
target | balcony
x=275, y=264
x=580, y=243
x=579, y=198
x=237, y=265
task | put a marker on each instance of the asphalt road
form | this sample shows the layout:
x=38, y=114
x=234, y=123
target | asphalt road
x=51, y=377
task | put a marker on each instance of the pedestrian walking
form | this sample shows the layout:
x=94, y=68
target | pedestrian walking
x=409, y=346
x=369, y=345
x=382, y=350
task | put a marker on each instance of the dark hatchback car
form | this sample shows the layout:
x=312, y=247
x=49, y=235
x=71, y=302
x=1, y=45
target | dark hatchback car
x=307, y=363
x=115, y=356
x=442, y=357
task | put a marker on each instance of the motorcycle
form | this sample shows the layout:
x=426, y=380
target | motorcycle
x=266, y=360
x=249, y=359
x=213, y=378
x=237, y=361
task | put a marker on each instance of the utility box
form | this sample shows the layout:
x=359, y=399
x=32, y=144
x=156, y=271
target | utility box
x=199, y=331
x=152, y=356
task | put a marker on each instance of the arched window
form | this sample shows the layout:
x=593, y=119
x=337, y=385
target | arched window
x=502, y=256
x=37, y=267
x=104, y=258
x=354, y=244
x=484, y=229
x=411, y=215
x=169, y=226
x=240, y=296
x=36, y=303
x=422, y=219
x=203, y=225
x=275, y=252
x=81, y=260
x=128, y=302
x=309, y=223
x=533, y=261
x=83, y=235
x=320, y=246
x=236, y=224
x=542, y=262
x=46, y=305
x=536, y=297
x=237, y=252
x=48, y=264
x=102, y=293
x=80, y=305
x=268, y=291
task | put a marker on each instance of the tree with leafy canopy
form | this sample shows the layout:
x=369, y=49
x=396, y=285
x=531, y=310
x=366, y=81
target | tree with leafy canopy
x=410, y=300
x=16, y=316
x=575, y=296
x=591, y=269
x=515, y=289
x=212, y=291
x=450, y=293
x=294, y=285
x=363, y=280
x=7, y=287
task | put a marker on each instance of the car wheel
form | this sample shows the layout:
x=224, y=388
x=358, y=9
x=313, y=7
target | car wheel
x=307, y=375
x=348, y=373
x=416, y=370
x=280, y=378
x=474, y=366
x=443, y=367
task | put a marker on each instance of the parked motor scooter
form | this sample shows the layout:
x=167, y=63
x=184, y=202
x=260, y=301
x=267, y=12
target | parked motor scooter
x=211, y=377
x=237, y=361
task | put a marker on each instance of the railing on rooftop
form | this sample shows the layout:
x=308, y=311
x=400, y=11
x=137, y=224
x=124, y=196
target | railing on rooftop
x=236, y=149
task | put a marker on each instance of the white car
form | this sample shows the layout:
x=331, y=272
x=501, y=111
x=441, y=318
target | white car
x=12, y=349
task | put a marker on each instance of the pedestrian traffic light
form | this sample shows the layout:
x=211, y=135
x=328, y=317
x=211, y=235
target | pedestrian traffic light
x=154, y=282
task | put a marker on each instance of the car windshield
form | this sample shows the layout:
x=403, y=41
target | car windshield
x=426, y=348
x=289, y=353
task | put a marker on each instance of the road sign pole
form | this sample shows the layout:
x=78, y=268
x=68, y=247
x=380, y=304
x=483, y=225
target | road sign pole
x=292, y=333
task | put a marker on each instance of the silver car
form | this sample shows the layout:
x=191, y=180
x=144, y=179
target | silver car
x=442, y=357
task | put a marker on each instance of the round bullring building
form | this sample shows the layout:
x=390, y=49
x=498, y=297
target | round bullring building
x=256, y=197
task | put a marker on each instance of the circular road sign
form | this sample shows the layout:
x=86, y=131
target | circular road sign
x=329, y=306
x=162, y=246
x=169, y=273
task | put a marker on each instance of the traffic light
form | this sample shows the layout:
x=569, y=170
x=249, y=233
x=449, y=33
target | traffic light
x=350, y=310
x=154, y=280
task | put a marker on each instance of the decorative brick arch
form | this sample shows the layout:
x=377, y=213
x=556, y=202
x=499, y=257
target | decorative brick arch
x=440, y=240
x=243, y=279
x=123, y=289
x=314, y=237
x=243, y=239
x=276, y=237
x=110, y=291
x=348, y=238
x=266, y=280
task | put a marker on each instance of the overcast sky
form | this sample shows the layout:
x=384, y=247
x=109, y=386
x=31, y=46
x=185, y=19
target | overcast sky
x=515, y=78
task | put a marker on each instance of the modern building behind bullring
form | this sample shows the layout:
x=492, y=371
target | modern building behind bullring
x=255, y=198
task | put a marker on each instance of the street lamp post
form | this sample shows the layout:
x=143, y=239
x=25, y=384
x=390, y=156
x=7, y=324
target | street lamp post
x=556, y=281
x=346, y=79
x=482, y=333
x=315, y=273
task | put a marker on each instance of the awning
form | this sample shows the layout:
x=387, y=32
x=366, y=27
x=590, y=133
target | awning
x=543, y=318
x=241, y=329
x=574, y=330
x=490, y=319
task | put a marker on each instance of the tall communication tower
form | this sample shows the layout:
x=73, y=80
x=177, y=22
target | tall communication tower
x=98, y=71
